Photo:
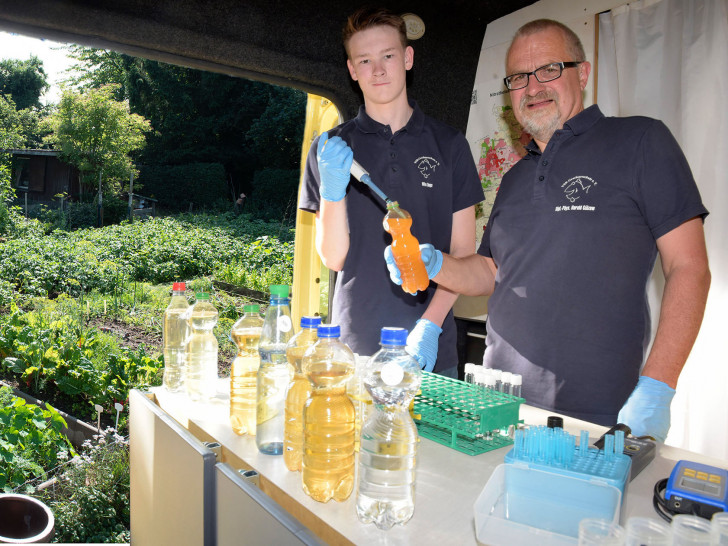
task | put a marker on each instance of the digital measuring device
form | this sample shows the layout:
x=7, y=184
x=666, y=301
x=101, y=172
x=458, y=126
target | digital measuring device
x=696, y=488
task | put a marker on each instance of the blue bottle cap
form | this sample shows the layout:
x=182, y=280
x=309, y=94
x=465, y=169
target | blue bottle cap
x=393, y=336
x=310, y=322
x=328, y=330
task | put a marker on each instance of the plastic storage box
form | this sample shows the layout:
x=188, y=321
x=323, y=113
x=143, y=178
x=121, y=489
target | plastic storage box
x=524, y=506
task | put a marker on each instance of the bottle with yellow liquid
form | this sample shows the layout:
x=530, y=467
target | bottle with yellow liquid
x=405, y=249
x=298, y=392
x=327, y=469
x=244, y=371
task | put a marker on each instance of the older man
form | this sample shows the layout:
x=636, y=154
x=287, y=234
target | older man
x=572, y=241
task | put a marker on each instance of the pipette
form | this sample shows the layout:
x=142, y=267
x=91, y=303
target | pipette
x=362, y=175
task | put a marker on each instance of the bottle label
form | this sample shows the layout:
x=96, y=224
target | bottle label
x=392, y=374
x=284, y=323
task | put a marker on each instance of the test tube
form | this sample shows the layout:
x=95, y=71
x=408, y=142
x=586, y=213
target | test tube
x=470, y=372
x=506, y=382
x=609, y=447
x=497, y=374
x=489, y=381
x=478, y=377
x=584, y=442
x=516, y=383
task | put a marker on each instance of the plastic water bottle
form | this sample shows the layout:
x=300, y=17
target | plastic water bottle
x=359, y=396
x=405, y=249
x=386, y=489
x=174, y=337
x=244, y=372
x=298, y=392
x=201, y=350
x=274, y=372
x=327, y=469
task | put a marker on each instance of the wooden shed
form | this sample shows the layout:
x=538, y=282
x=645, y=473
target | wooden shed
x=43, y=175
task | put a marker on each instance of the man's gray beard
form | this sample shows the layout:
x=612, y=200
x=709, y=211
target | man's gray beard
x=542, y=132
x=540, y=129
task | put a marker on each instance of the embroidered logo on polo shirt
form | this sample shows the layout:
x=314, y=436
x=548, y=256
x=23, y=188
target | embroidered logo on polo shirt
x=427, y=166
x=575, y=190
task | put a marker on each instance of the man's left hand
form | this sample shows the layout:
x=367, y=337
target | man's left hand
x=422, y=343
x=647, y=411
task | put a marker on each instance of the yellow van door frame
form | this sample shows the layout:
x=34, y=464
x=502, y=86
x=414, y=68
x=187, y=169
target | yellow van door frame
x=310, y=290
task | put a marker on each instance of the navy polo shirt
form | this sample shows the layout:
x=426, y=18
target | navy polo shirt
x=573, y=232
x=428, y=168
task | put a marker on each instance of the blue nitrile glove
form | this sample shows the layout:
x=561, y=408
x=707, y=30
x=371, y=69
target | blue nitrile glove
x=422, y=343
x=334, y=162
x=431, y=257
x=647, y=411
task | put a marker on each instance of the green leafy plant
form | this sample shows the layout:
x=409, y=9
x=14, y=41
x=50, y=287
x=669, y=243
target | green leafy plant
x=56, y=356
x=90, y=501
x=30, y=441
x=159, y=250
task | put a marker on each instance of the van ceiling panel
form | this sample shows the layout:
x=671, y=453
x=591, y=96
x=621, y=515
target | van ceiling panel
x=286, y=42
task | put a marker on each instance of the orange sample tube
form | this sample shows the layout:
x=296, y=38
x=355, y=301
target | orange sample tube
x=405, y=249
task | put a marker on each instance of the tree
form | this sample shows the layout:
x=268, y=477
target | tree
x=25, y=81
x=202, y=117
x=275, y=137
x=98, y=134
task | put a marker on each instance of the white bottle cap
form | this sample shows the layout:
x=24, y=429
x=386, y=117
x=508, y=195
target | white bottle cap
x=489, y=381
x=506, y=377
x=392, y=374
x=469, y=367
x=496, y=374
x=517, y=379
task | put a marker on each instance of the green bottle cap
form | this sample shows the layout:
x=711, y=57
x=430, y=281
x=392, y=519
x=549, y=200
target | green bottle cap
x=280, y=290
x=202, y=295
x=251, y=308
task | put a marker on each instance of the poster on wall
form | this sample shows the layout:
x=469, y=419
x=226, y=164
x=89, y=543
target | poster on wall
x=496, y=139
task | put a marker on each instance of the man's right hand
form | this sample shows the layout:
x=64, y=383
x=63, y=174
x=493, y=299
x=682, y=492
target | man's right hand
x=431, y=257
x=334, y=162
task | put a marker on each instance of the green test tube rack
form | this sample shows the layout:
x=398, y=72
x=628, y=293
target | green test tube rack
x=463, y=416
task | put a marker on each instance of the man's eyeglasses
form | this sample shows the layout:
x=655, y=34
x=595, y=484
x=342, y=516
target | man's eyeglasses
x=543, y=74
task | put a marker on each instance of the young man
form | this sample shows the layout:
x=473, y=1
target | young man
x=571, y=243
x=424, y=165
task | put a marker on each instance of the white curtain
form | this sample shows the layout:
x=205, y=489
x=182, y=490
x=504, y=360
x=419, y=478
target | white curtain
x=668, y=59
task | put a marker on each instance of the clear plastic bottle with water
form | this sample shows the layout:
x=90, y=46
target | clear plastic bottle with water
x=385, y=494
x=359, y=396
x=174, y=338
x=201, y=350
x=298, y=392
x=274, y=373
x=328, y=465
x=245, y=333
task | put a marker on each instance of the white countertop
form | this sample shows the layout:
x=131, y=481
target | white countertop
x=447, y=483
